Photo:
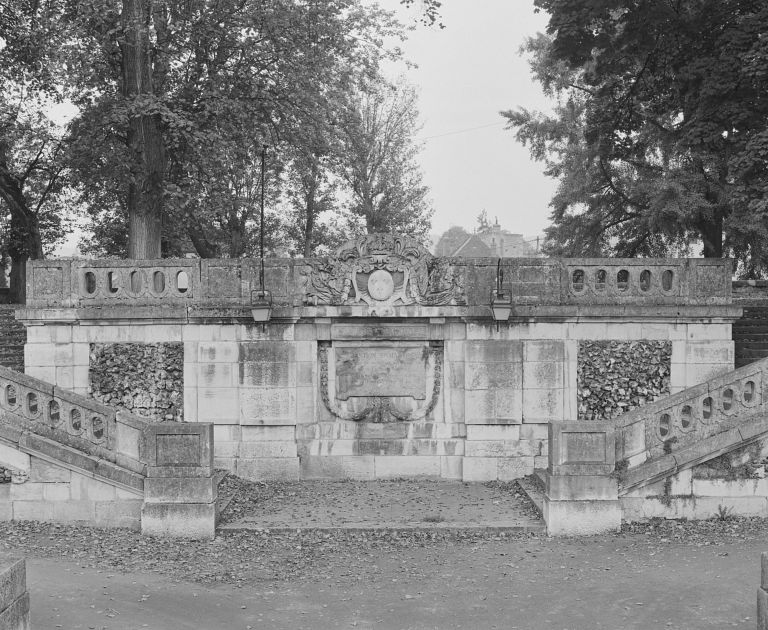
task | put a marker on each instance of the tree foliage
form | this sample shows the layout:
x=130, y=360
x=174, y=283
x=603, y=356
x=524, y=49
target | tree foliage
x=178, y=100
x=659, y=134
x=379, y=159
x=33, y=204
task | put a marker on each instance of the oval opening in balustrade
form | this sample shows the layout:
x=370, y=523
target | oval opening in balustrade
x=706, y=408
x=10, y=395
x=158, y=281
x=75, y=419
x=686, y=417
x=136, y=281
x=622, y=280
x=112, y=282
x=577, y=280
x=182, y=282
x=32, y=407
x=645, y=280
x=665, y=425
x=601, y=279
x=749, y=391
x=666, y=280
x=727, y=399
x=98, y=427
x=54, y=412
x=90, y=282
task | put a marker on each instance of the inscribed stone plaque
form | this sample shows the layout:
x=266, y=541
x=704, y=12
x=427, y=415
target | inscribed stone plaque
x=379, y=331
x=177, y=450
x=583, y=448
x=362, y=371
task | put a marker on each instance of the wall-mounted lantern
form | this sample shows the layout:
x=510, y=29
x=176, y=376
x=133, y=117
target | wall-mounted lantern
x=501, y=303
x=261, y=306
x=261, y=300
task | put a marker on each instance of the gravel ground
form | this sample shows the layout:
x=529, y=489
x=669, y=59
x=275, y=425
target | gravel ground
x=252, y=557
x=375, y=503
x=668, y=574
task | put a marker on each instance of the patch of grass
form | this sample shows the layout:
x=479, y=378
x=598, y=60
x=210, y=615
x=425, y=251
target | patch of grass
x=724, y=513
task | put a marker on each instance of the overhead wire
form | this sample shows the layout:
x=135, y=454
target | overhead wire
x=467, y=130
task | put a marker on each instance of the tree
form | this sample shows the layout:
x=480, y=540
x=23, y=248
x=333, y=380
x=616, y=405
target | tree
x=379, y=159
x=220, y=80
x=32, y=146
x=659, y=120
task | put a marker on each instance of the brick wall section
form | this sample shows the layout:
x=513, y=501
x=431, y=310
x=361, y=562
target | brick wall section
x=13, y=335
x=750, y=333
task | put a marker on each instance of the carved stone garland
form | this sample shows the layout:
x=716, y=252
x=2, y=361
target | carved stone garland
x=382, y=270
x=380, y=409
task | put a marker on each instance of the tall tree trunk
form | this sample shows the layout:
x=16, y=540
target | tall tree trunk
x=311, y=208
x=712, y=236
x=145, y=191
x=25, y=242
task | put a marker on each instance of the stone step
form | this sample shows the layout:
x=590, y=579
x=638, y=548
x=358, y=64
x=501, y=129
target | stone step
x=533, y=487
x=448, y=507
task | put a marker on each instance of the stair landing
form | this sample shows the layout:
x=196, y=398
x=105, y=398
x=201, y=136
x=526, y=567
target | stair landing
x=405, y=505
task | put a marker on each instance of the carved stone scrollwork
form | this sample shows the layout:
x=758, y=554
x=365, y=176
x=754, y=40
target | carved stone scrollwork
x=383, y=270
x=380, y=409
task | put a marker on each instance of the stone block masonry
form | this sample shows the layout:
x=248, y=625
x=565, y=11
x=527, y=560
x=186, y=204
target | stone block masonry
x=14, y=597
x=581, y=495
x=52, y=492
x=179, y=492
x=762, y=594
x=380, y=360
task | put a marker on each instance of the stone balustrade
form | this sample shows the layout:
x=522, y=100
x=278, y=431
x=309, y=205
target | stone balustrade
x=70, y=419
x=316, y=284
x=697, y=413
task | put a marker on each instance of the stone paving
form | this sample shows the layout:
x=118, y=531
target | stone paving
x=400, y=504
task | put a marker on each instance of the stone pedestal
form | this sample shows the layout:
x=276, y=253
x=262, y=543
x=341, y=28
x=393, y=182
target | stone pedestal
x=180, y=491
x=581, y=496
x=14, y=598
x=762, y=594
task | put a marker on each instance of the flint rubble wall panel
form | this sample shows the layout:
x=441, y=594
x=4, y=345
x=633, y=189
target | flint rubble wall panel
x=616, y=376
x=143, y=378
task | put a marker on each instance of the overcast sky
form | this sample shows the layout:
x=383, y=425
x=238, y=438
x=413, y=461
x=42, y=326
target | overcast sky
x=468, y=72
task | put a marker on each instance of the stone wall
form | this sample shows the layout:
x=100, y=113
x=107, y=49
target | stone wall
x=380, y=361
x=143, y=378
x=617, y=376
x=14, y=597
x=46, y=491
x=473, y=403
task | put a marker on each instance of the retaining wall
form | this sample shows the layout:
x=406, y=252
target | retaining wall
x=383, y=361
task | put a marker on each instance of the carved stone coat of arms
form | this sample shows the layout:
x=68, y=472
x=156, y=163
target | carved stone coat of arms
x=383, y=270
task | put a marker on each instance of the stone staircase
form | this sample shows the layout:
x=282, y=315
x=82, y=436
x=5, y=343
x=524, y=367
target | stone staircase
x=678, y=432
x=13, y=335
